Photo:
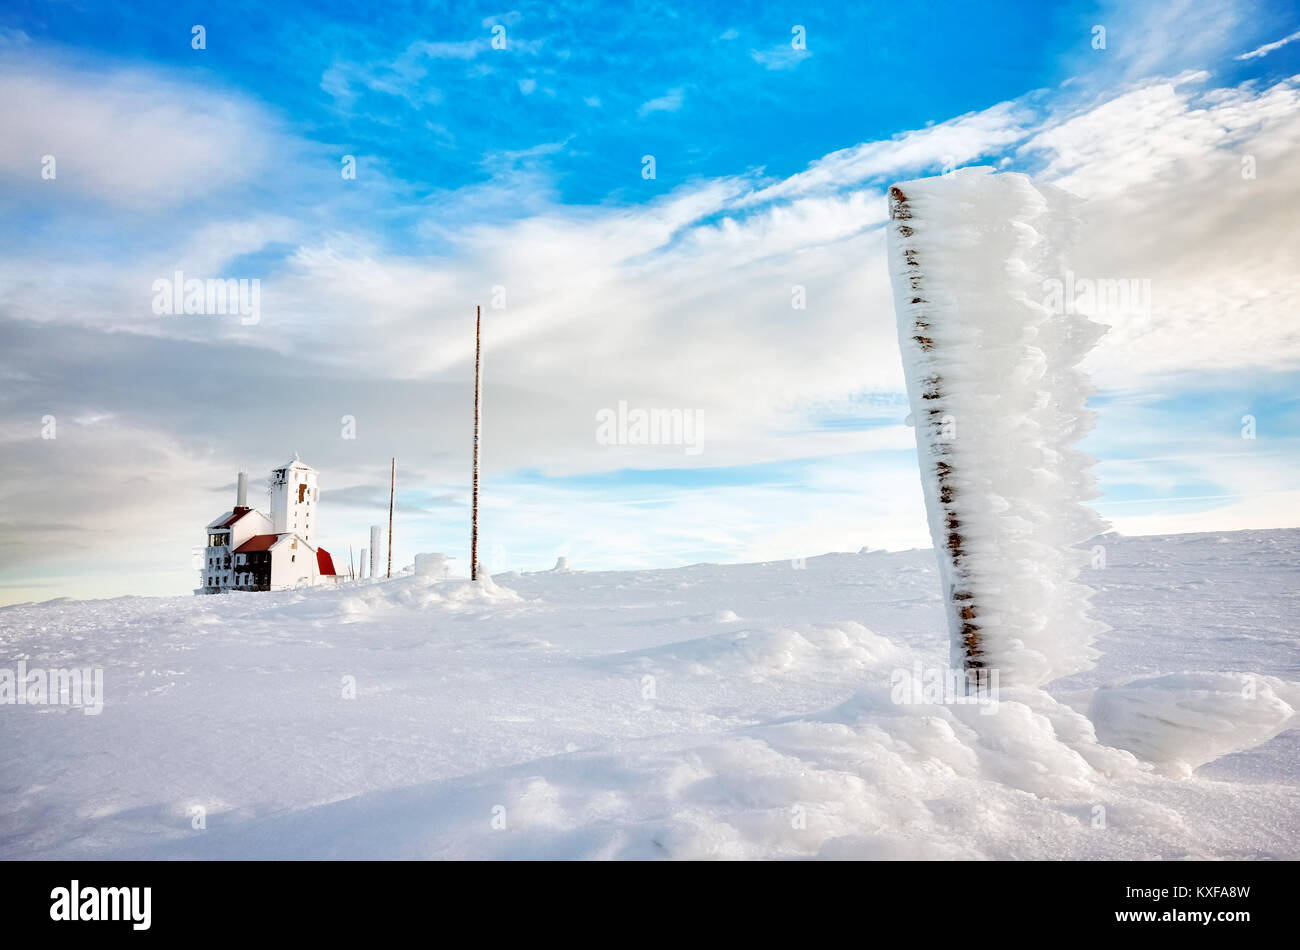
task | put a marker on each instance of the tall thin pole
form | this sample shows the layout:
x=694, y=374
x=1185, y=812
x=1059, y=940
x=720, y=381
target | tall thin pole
x=392, y=485
x=478, y=400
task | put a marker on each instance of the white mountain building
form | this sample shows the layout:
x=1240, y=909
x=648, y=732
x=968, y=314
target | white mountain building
x=248, y=550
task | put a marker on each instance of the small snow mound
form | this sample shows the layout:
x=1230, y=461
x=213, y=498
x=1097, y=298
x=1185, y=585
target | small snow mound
x=352, y=609
x=483, y=590
x=726, y=616
x=419, y=596
x=1180, y=721
x=421, y=592
x=759, y=654
x=433, y=565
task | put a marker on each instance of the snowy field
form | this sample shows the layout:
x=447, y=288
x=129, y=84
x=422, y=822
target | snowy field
x=705, y=712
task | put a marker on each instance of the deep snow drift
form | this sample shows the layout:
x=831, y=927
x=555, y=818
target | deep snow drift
x=710, y=711
x=998, y=405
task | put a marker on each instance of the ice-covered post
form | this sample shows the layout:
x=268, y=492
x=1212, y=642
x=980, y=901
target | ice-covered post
x=392, y=489
x=478, y=404
x=998, y=404
x=376, y=534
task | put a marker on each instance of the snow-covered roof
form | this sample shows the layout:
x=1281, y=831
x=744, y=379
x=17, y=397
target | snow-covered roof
x=294, y=462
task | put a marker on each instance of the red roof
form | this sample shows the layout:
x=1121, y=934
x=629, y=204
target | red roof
x=233, y=517
x=324, y=562
x=258, y=542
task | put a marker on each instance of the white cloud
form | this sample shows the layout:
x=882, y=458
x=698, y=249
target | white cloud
x=1270, y=47
x=957, y=142
x=506, y=19
x=1258, y=490
x=781, y=56
x=461, y=49
x=406, y=75
x=146, y=483
x=1162, y=167
x=670, y=101
x=125, y=139
x=1153, y=39
x=682, y=302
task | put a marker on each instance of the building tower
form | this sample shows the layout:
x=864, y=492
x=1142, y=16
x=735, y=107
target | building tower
x=294, y=499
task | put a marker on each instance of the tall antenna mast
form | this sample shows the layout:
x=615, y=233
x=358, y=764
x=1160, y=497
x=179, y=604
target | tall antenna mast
x=392, y=484
x=478, y=400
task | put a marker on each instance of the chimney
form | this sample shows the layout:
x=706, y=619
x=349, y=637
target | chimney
x=241, y=497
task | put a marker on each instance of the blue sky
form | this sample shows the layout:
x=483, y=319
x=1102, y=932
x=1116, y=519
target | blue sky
x=418, y=86
x=521, y=168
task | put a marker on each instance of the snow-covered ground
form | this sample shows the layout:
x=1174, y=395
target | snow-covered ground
x=709, y=711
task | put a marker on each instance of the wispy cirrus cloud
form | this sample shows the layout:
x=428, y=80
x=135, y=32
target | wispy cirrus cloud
x=670, y=101
x=779, y=57
x=412, y=74
x=1267, y=48
x=946, y=144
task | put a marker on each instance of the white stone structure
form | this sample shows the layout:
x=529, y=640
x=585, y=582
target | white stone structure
x=247, y=550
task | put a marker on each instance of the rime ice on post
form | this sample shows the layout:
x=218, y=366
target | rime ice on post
x=998, y=406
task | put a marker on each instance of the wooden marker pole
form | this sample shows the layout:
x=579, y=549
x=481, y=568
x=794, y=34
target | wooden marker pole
x=935, y=454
